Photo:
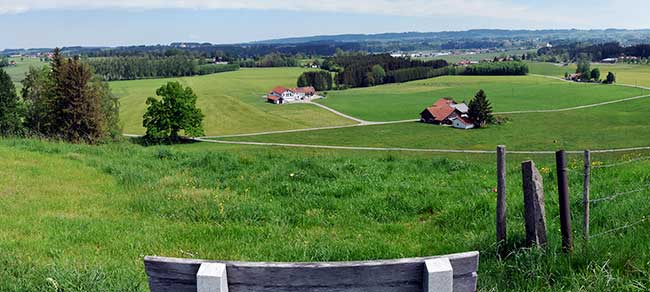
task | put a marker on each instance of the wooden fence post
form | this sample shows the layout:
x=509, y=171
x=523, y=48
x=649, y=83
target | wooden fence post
x=501, y=195
x=534, y=211
x=585, y=194
x=565, y=211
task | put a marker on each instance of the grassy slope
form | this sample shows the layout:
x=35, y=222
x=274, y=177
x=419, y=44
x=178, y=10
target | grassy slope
x=232, y=102
x=18, y=72
x=625, y=73
x=407, y=100
x=612, y=126
x=97, y=210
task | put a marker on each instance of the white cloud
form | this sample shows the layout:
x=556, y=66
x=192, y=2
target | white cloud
x=480, y=8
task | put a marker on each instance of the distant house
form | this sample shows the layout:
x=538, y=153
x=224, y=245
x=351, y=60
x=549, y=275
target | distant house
x=575, y=77
x=447, y=112
x=609, y=60
x=282, y=95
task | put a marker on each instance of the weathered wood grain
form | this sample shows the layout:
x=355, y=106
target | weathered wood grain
x=168, y=274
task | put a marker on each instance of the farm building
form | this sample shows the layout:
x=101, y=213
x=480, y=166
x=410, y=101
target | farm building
x=447, y=112
x=281, y=95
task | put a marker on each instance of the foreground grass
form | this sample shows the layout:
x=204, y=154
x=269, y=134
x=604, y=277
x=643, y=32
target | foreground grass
x=232, y=102
x=407, y=100
x=80, y=218
x=618, y=125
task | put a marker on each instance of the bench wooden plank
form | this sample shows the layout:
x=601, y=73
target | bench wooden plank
x=404, y=275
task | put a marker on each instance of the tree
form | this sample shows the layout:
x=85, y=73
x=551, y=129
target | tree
x=584, y=67
x=10, y=114
x=378, y=73
x=595, y=74
x=320, y=80
x=611, y=78
x=67, y=101
x=480, y=110
x=77, y=105
x=176, y=111
x=37, y=96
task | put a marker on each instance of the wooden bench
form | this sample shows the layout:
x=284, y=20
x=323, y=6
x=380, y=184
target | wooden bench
x=456, y=272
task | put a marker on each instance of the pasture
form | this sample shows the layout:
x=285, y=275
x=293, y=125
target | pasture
x=231, y=102
x=98, y=209
x=625, y=73
x=519, y=93
x=17, y=73
x=619, y=125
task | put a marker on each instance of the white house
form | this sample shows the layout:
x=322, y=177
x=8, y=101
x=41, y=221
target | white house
x=281, y=95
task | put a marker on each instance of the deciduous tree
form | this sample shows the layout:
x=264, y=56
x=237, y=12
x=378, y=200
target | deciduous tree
x=175, y=112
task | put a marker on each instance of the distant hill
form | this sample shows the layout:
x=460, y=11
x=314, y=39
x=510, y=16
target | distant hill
x=324, y=45
x=622, y=35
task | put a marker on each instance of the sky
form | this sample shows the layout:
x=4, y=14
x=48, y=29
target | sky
x=50, y=23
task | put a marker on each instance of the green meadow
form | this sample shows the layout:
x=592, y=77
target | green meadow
x=619, y=125
x=630, y=74
x=17, y=73
x=97, y=210
x=406, y=101
x=81, y=218
x=232, y=102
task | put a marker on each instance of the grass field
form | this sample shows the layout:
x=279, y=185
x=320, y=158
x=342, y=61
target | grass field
x=17, y=73
x=613, y=126
x=231, y=102
x=407, y=100
x=476, y=57
x=625, y=73
x=97, y=211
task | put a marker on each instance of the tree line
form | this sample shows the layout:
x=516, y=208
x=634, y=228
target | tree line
x=496, y=69
x=62, y=101
x=271, y=60
x=130, y=68
x=362, y=70
x=596, y=52
x=320, y=80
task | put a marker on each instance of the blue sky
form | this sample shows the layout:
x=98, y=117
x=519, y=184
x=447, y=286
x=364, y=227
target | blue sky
x=47, y=23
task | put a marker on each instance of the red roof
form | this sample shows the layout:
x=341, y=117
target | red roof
x=442, y=109
x=272, y=97
x=305, y=90
x=279, y=90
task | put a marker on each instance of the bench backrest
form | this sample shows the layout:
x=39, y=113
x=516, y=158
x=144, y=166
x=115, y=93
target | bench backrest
x=403, y=275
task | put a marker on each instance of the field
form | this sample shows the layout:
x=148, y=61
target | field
x=477, y=57
x=407, y=100
x=97, y=210
x=625, y=73
x=81, y=218
x=231, y=102
x=17, y=73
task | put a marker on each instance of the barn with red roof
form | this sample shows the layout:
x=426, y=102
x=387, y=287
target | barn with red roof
x=446, y=111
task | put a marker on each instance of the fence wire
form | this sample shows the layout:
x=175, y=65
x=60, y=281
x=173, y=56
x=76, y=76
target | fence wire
x=620, y=194
x=640, y=159
x=629, y=225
